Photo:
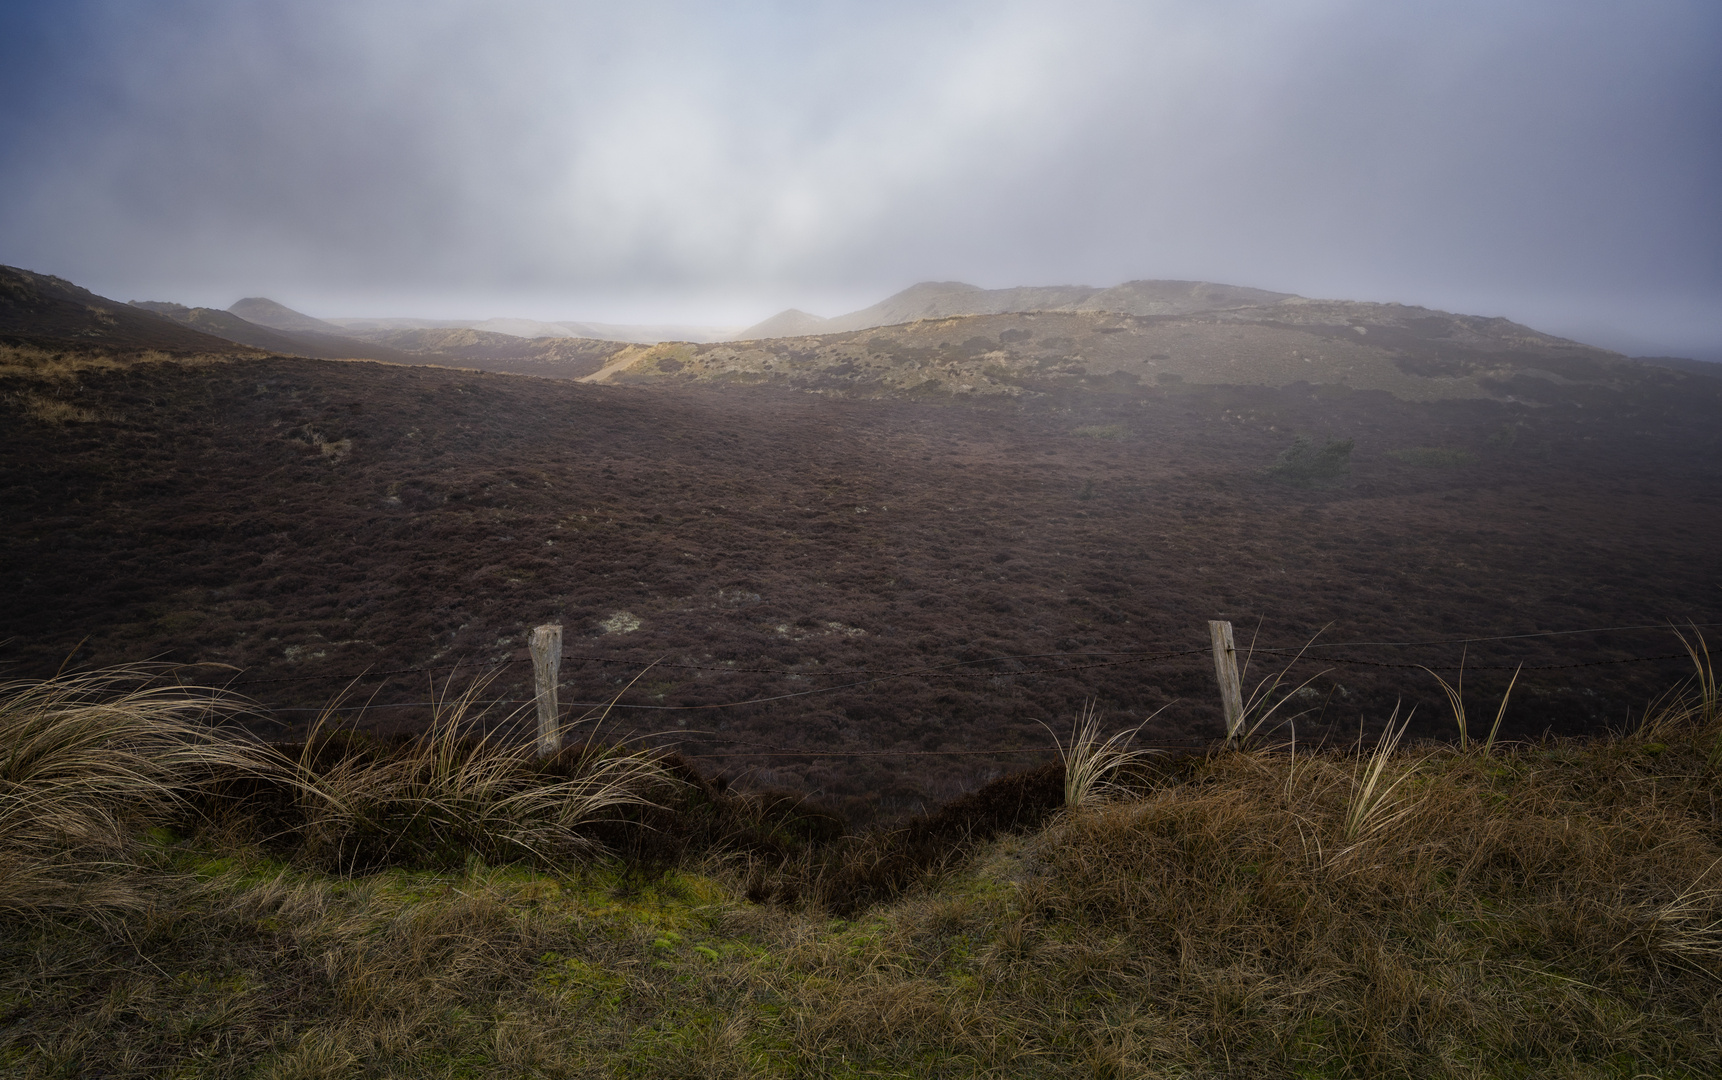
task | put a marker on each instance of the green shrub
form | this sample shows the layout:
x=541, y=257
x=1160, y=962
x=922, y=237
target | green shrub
x=1433, y=457
x=1302, y=465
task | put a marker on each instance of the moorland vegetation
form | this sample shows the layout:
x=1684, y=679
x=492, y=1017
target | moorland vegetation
x=182, y=898
x=900, y=548
x=871, y=574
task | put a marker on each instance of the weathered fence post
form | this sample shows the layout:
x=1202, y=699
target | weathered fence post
x=546, y=645
x=1226, y=670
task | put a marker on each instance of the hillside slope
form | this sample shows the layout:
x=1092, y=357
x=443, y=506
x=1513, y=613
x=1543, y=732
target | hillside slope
x=448, y=343
x=225, y=324
x=635, y=333
x=1413, y=353
x=948, y=299
x=297, y=518
x=972, y=525
x=550, y=357
x=45, y=311
x=266, y=312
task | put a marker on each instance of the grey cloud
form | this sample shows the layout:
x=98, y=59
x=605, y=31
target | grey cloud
x=1543, y=160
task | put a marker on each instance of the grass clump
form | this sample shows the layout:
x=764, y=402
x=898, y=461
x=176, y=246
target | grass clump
x=462, y=788
x=1091, y=764
x=89, y=762
x=54, y=410
x=1455, y=695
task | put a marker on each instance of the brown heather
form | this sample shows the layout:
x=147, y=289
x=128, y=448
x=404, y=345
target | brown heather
x=1548, y=909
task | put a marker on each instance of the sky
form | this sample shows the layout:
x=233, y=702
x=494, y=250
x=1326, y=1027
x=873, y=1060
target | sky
x=1559, y=162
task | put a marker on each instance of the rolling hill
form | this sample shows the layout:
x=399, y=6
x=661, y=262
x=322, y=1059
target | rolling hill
x=447, y=343
x=1410, y=352
x=945, y=299
x=636, y=333
x=49, y=312
x=288, y=343
x=266, y=312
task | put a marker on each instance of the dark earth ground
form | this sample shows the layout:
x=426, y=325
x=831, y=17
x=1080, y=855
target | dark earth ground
x=300, y=519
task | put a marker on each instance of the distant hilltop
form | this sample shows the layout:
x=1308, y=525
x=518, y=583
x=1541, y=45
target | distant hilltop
x=1196, y=331
x=635, y=333
x=946, y=299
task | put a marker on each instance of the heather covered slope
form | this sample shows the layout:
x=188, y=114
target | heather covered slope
x=564, y=357
x=225, y=324
x=303, y=519
x=947, y=299
x=1410, y=352
x=970, y=526
x=554, y=358
x=48, y=312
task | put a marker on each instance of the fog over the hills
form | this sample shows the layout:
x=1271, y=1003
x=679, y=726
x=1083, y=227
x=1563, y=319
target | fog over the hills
x=1556, y=162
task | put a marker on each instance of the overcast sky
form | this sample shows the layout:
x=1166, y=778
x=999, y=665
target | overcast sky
x=1558, y=162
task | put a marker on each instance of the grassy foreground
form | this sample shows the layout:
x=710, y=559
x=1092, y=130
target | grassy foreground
x=182, y=903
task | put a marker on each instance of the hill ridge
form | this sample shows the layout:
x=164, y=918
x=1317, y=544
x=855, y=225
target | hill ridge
x=266, y=312
x=41, y=309
x=948, y=299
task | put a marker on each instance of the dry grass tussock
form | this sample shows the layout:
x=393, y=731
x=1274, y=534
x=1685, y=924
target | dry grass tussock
x=89, y=761
x=1095, y=767
x=1541, y=910
x=470, y=785
x=46, y=383
x=35, y=363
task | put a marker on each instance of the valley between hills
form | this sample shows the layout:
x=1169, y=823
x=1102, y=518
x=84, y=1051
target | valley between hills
x=891, y=541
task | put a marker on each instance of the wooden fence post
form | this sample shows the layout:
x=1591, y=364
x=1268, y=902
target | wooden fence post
x=1226, y=670
x=546, y=645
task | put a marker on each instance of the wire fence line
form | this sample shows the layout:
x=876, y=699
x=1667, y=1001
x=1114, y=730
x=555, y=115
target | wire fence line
x=1133, y=657
x=989, y=675
x=959, y=669
x=546, y=661
x=914, y=673
x=1499, y=637
x=928, y=672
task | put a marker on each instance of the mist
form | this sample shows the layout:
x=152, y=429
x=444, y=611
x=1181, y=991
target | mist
x=1557, y=163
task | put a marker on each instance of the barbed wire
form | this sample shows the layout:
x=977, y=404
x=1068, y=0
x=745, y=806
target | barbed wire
x=888, y=677
x=1135, y=656
x=918, y=674
x=771, y=750
x=957, y=669
x=1481, y=640
x=935, y=671
x=1490, y=667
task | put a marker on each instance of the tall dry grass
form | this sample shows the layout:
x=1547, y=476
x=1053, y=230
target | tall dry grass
x=1421, y=911
x=1552, y=909
x=1455, y=694
x=90, y=762
x=1375, y=801
x=469, y=785
x=87, y=762
x=1092, y=765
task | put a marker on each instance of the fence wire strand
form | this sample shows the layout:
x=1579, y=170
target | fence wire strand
x=958, y=669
